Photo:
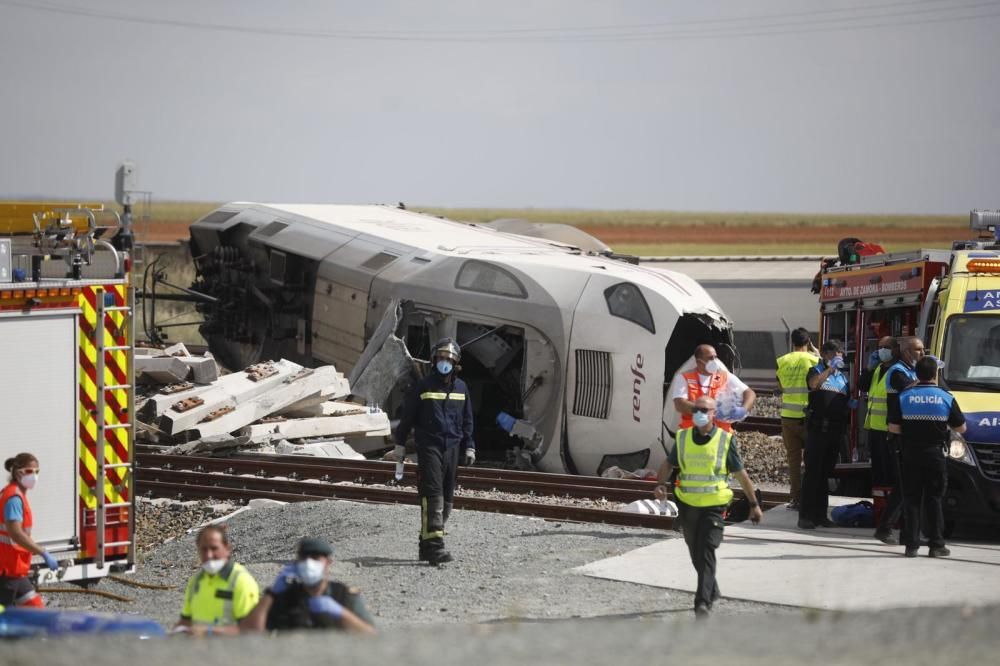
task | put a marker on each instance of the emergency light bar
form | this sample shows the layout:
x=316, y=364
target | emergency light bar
x=984, y=266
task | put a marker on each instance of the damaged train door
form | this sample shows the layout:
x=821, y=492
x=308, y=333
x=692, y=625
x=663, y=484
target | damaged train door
x=614, y=379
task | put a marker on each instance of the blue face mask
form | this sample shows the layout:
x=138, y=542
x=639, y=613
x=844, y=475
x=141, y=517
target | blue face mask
x=884, y=355
x=444, y=367
x=700, y=418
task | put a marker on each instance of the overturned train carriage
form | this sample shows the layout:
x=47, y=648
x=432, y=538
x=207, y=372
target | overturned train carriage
x=579, y=347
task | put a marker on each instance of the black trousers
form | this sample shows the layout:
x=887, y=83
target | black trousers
x=925, y=479
x=436, y=470
x=886, y=472
x=702, y=527
x=822, y=449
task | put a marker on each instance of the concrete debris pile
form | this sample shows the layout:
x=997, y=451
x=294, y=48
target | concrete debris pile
x=273, y=406
x=174, y=364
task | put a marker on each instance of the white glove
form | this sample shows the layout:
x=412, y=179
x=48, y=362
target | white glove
x=399, y=452
x=470, y=456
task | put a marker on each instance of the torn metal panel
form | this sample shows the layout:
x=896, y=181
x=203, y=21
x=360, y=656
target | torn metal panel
x=385, y=360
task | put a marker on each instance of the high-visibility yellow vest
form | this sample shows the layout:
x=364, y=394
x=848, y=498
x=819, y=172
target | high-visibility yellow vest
x=703, y=476
x=221, y=599
x=878, y=412
x=792, y=370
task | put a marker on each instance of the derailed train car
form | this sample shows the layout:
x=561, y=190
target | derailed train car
x=580, y=347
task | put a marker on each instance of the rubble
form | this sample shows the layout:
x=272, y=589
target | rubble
x=174, y=364
x=276, y=405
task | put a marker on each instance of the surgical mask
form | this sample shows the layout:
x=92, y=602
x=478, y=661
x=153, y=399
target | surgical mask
x=213, y=566
x=884, y=355
x=700, y=419
x=29, y=480
x=713, y=366
x=310, y=571
x=444, y=367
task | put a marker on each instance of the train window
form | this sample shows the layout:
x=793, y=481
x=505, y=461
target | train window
x=626, y=301
x=489, y=279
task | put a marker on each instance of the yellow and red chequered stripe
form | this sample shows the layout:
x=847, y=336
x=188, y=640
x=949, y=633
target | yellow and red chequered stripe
x=114, y=329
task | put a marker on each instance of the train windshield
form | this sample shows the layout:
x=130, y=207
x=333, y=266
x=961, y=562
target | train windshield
x=972, y=352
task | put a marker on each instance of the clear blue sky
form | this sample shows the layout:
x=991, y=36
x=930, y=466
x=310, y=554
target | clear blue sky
x=764, y=105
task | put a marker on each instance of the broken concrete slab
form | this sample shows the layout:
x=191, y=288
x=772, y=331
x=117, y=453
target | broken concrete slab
x=366, y=424
x=339, y=388
x=328, y=408
x=384, y=361
x=210, y=444
x=160, y=370
x=226, y=394
x=157, y=404
x=234, y=415
x=204, y=369
x=330, y=449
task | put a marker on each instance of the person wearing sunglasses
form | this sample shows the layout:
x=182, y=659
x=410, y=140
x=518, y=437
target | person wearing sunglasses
x=16, y=545
x=705, y=456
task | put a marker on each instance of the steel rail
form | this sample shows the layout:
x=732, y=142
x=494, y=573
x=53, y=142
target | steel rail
x=477, y=478
x=171, y=483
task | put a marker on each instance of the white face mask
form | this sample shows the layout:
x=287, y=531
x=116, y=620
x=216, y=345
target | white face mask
x=310, y=571
x=713, y=366
x=700, y=419
x=29, y=480
x=213, y=566
x=884, y=355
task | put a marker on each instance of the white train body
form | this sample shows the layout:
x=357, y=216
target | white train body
x=540, y=338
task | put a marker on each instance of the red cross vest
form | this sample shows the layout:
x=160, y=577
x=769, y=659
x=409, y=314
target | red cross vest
x=15, y=561
x=715, y=386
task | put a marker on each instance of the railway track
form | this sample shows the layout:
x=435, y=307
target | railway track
x=292, y=478
x=765, y=424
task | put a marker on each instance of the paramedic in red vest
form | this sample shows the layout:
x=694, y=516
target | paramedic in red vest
x=706, y=456
x=709, y=379
x=16, y=545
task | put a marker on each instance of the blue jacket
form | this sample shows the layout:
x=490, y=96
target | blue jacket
x=440, y=411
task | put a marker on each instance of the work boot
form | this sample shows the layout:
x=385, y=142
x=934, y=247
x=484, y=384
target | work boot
x=433, y=551
x=886, y=537
x=939, y=551
x=701, y=612
x=806, y=524
x=911, y=551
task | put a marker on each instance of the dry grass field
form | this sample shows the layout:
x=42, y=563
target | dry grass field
x=644, y=232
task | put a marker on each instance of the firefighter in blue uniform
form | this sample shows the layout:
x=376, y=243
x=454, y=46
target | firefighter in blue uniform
x=827, y=418
x=439, y=409
x=926, y=411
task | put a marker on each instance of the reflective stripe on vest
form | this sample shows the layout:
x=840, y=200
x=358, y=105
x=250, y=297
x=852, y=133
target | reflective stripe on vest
x=15, y=560
x=925, y=402
x=715, y=385
x=876, y=419
x=792, y=371
x=435, y=395
x=703, y=473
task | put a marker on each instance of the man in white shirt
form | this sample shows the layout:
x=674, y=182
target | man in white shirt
x=710, y=378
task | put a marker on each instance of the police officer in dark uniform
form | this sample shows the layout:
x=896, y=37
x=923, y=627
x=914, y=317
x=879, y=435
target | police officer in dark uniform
x=926, y=411
x=900, y=376
x=439, y=409
x=303, y=596
x=827, y=418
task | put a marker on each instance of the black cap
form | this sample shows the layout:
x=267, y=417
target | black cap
x=312, y=546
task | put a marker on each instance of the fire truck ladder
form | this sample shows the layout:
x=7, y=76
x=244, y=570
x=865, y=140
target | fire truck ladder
x=125, y=467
